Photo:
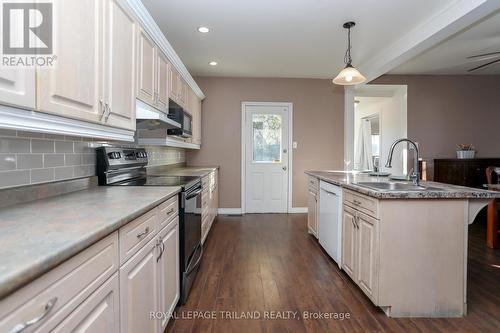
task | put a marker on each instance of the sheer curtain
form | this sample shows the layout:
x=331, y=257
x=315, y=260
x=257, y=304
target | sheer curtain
x=363, y=153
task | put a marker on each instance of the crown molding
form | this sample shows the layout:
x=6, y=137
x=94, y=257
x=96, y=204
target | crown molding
x=150, y=26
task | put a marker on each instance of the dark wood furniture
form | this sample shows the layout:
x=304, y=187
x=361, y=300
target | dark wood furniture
x=493, y=181
x=471, y=173
x=466, y=172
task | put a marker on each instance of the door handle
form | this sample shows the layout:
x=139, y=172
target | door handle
x=285, y=168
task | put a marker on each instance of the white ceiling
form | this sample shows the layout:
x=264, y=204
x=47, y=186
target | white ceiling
x=450, y=56
x=284, y=38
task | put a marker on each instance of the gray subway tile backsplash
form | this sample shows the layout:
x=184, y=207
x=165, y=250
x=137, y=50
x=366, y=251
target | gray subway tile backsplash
x=28, y=158
x=7, y=162
x=63, y=173
x=72, y=159
x=14, y=178
x=42, y=175
x=42, y=146
x=53, y=160
x=29, y=161
x=14, y=145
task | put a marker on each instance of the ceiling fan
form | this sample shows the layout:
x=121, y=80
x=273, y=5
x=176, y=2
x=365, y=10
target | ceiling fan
x=492, y=57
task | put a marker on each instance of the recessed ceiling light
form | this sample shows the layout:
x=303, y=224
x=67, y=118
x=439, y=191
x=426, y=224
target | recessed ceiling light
x=203, y=30
x=213, y=63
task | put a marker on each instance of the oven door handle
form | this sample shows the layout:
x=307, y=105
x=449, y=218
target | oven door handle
x=193, y=194
x=190, y=270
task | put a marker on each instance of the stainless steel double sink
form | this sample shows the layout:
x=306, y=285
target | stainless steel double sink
x=395, y=186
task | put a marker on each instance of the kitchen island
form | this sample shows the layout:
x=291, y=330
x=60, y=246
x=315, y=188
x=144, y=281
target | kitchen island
x=405, y=246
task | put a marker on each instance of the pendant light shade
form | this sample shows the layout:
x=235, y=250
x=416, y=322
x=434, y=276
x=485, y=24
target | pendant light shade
x=349, y=75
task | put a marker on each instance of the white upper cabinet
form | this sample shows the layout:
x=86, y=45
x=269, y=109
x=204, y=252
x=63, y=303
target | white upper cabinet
x=17, y=87
x=119, y=60
x=146, y=80
x=73, y=86
x=162, y=83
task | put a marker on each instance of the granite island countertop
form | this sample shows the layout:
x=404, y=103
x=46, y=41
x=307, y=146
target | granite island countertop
x=350, y=180
x=37, y=236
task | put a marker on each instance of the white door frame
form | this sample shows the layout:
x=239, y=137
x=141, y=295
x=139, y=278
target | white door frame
x=289, y=106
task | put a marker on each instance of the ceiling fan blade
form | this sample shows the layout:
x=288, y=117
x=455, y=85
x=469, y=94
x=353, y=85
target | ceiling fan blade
x=483, y=55
x=484, y=65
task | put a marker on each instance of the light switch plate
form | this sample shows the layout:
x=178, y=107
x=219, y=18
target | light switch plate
x=294, y=145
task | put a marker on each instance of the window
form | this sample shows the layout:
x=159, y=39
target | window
x=375, y=145
x=266, y=138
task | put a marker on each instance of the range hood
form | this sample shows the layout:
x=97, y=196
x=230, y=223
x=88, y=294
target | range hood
x=149, y=118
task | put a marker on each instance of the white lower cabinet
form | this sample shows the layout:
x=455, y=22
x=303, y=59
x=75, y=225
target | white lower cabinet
x=139, y=290
x=97, y=314
x=209, y=203
x=168, y=271
x=360, y=250
x=91, y=292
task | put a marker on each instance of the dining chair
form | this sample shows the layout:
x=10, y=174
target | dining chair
x=493, y=178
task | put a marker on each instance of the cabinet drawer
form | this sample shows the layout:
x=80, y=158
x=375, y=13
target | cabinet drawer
x=137, y=233
x=61, y=290
x=167, y=211
x=363, y=203
x=313, y=184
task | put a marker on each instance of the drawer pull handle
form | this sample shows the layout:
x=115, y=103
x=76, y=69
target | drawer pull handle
x=356, y=202
x=48, y=307
x=170, y=211
x=144, y=233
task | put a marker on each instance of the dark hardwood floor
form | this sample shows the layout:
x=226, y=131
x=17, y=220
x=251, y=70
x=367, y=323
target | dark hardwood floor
x=269, y=263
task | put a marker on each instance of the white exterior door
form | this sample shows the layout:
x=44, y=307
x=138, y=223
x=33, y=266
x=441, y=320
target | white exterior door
x=266, y=158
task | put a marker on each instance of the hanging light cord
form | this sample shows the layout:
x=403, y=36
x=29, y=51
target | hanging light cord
x=347, y=56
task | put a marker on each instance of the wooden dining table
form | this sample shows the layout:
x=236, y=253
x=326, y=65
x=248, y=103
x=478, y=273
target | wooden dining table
x=492, y=220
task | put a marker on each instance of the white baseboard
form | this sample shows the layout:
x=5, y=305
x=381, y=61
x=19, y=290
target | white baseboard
x=229, y=211
x=298, y=210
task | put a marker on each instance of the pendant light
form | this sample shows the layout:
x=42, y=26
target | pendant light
x=349, y=75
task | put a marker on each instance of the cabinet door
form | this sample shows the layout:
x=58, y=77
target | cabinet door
x=168, y=272
x=17, y=87
x=349, y=241
x=367, y=248
x=312, y=213
x=120, y=58
x=97, y=314
x=139, y=291
x=173, y=83
x=73, y=87
x=195, y=109
x=162, y=83
x=146, y=77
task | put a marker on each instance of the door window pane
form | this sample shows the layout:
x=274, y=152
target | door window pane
x=266, y=138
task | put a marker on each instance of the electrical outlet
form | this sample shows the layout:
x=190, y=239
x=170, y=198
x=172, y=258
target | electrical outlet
x=294, y=145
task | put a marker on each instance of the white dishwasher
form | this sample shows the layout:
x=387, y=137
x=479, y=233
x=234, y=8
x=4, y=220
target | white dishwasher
x=330, y=220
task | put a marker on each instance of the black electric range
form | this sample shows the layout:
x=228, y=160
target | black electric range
x=118, y=166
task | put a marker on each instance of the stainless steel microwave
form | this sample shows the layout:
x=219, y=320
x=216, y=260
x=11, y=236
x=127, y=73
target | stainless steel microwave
x=184, y=118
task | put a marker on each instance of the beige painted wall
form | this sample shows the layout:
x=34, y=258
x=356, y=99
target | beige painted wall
x=318, y=127
x=445, y=110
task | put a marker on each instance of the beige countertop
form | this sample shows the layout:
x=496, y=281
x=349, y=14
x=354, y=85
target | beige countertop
x=350, y=180
x=39, y=235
